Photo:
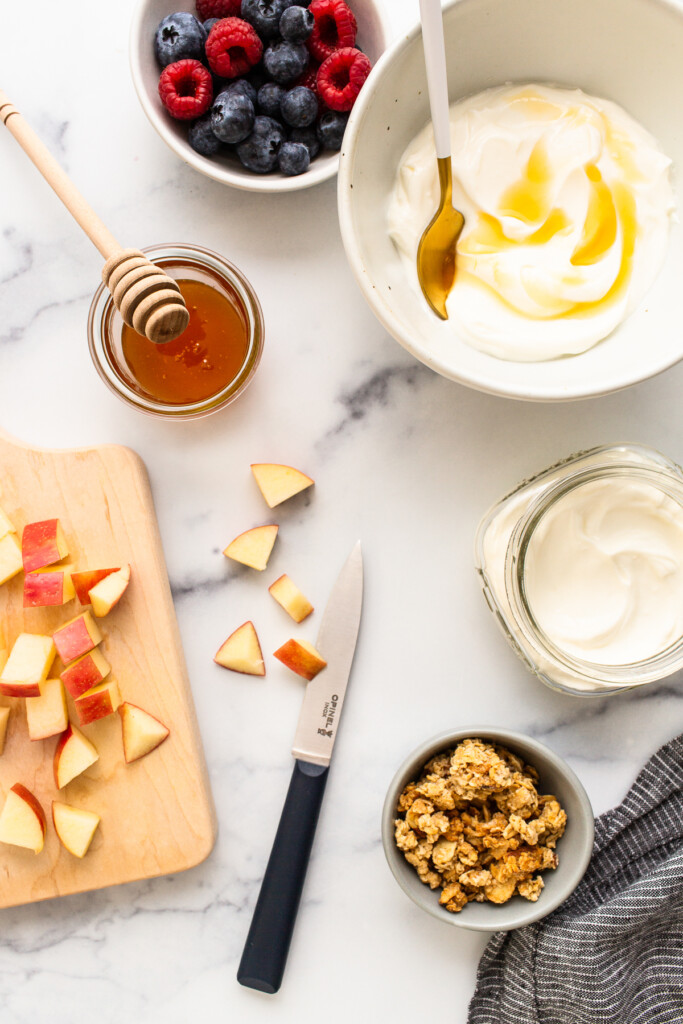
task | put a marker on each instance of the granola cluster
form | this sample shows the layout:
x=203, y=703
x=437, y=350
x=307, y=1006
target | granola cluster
x=475, y=825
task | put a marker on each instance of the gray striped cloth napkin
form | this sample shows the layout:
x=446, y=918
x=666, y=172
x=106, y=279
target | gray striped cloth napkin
x=613, y=952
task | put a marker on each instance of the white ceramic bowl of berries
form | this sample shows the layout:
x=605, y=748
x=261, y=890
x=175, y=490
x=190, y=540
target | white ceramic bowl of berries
x=255, y=93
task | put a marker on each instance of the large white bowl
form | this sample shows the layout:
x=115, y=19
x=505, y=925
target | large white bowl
x=373, y=36
x=629, y=51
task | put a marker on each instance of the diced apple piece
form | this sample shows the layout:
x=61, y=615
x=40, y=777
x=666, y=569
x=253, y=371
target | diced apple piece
x=47, y=715
x=85, y=581
x=50, y=586
x=74, y=826
x=278, y=483
x=22, y=822
x=99, y=702
x=142, y=732
x=6, y=524
x=108, y=592
x=4, y=719
x=76, y=637
x=73, y=754
x=27, y=666
x=43, y=544
x=85, y=673
x=253, y=547
x=301, y=657
x=241, y=652
x=290, y=597
x=10, y=557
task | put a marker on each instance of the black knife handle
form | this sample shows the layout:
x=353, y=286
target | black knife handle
x=265, y=952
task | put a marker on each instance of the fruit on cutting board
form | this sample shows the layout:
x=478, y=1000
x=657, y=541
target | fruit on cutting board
x=6, y=524
x=108, y=592
x=142, y=732
x=85, y=672
x=74, y=826
x=73, y=754
x=27, y=666
x=253, y=547
x=301, y=657
x=10, y=557
x=22, y=821
x=278, y=483
x=42, y=544
x=49, y=586
x=76, y=637
x=47, y=715
x=84, y=581
x=288, y=595
x=98, y=702
x=241, y=652
x=4, y=719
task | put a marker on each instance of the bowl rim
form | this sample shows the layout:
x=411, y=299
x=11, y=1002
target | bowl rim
x=441, y=741
x=244, y=180
x=381, y=309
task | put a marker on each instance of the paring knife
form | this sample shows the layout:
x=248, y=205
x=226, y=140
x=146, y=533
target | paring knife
x=265, y=953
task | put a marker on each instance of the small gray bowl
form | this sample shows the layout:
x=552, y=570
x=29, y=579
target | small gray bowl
x=573, y=849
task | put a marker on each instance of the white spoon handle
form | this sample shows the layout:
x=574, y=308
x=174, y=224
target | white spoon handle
x=437, y=81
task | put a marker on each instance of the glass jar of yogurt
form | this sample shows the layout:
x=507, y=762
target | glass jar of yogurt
x=582, y=566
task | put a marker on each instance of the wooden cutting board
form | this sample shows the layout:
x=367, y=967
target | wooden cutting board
x=157, y=813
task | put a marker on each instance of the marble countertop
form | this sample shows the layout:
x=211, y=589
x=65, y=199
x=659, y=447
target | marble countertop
x=402, y=458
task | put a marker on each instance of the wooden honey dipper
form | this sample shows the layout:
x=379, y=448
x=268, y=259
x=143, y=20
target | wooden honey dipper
x=147, y=298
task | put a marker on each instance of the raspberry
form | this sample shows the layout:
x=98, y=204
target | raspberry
x=186, y=89
x=335, y=27
x=233, y=47
x=217, y=8
x=341, y=76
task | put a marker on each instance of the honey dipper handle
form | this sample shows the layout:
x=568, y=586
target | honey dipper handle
x=57, y=178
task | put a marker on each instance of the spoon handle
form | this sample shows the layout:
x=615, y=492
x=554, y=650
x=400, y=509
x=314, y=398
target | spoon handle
x=437, y=79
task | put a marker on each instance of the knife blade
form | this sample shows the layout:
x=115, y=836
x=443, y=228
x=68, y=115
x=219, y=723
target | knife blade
x=265, y=952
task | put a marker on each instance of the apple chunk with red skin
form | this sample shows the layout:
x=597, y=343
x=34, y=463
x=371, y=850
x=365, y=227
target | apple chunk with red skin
x=22, y=822
x=86, y=580
x=27, y=666
x=108, y=592
x=47, y=715
x=253, y=547
x=98, y=702
x=50, y=586
x=301, y=657
x=289, y=597
x=73, y=754
x=85, y=672
x=241, y=652
x=278, y=483
x=10, y=557
x=74, y=826
x=42, y=544
x=76, y=637
x=142, y=733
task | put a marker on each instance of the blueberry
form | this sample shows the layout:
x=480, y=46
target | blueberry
x=296, y=24
x=209, y=23
x=285, y=61
x=308, y=138
x=269, y=97
x=299, y=107
x=331, y=129
x=232, y=116
x=259, y=151
x=201, y=137
x=293, y=158
x=244, y=88
x=264, y=15
x=179, y=37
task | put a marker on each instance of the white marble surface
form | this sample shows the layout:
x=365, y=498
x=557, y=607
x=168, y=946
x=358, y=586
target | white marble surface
x=402, y=459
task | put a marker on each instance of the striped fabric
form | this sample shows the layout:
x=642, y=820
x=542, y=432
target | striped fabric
x=613, y=952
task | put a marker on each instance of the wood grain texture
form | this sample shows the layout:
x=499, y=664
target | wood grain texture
x=157, y=813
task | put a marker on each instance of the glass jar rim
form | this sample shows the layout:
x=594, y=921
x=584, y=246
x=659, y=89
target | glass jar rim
x=102, y=308
x=658, y=665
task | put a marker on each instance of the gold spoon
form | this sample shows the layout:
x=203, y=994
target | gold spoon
x=436, y=249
